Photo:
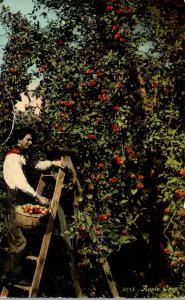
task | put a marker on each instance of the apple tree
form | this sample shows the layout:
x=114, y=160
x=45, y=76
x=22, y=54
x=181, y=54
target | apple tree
x=120, y=106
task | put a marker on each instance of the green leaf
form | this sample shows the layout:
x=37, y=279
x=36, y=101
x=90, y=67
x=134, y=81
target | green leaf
x=134, y=191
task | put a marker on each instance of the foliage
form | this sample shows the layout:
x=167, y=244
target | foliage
x=119, y=107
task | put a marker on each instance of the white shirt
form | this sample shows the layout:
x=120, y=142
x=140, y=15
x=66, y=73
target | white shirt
x=14, y=175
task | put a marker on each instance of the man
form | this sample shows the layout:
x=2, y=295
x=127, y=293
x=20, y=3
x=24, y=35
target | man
x=18, y=187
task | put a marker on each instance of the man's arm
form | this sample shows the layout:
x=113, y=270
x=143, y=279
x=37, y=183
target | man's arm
x=15, y=178
x=47, y=164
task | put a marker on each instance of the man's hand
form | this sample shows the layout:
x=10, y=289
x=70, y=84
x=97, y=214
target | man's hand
x=42, y=200
x=60, y=163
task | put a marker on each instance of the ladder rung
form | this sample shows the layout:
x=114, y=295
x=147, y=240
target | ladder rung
x=23, y=287
x=31, y=257
x=4, y=292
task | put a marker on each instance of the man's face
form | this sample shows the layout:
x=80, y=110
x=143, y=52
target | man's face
x=26, y=142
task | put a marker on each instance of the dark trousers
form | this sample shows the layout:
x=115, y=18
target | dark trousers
x=15, y=238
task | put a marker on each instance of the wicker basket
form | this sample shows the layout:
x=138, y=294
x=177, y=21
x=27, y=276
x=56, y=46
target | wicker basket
x=31, y=221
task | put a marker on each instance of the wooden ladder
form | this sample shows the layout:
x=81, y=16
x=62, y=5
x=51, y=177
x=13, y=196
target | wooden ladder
x=40, y=260
x=56, y=208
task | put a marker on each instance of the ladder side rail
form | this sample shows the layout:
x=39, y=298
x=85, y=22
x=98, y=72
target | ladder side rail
x=39, y=190
x=41, y=182
x=40, y=185
x=64, y=227
x=76, y=212
x=77, y=191
x=105, y=266
x=69, y=248
x=4, y=292
x=75, y=178
x=47, y=235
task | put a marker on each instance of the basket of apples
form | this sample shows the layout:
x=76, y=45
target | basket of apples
x=30, y=216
